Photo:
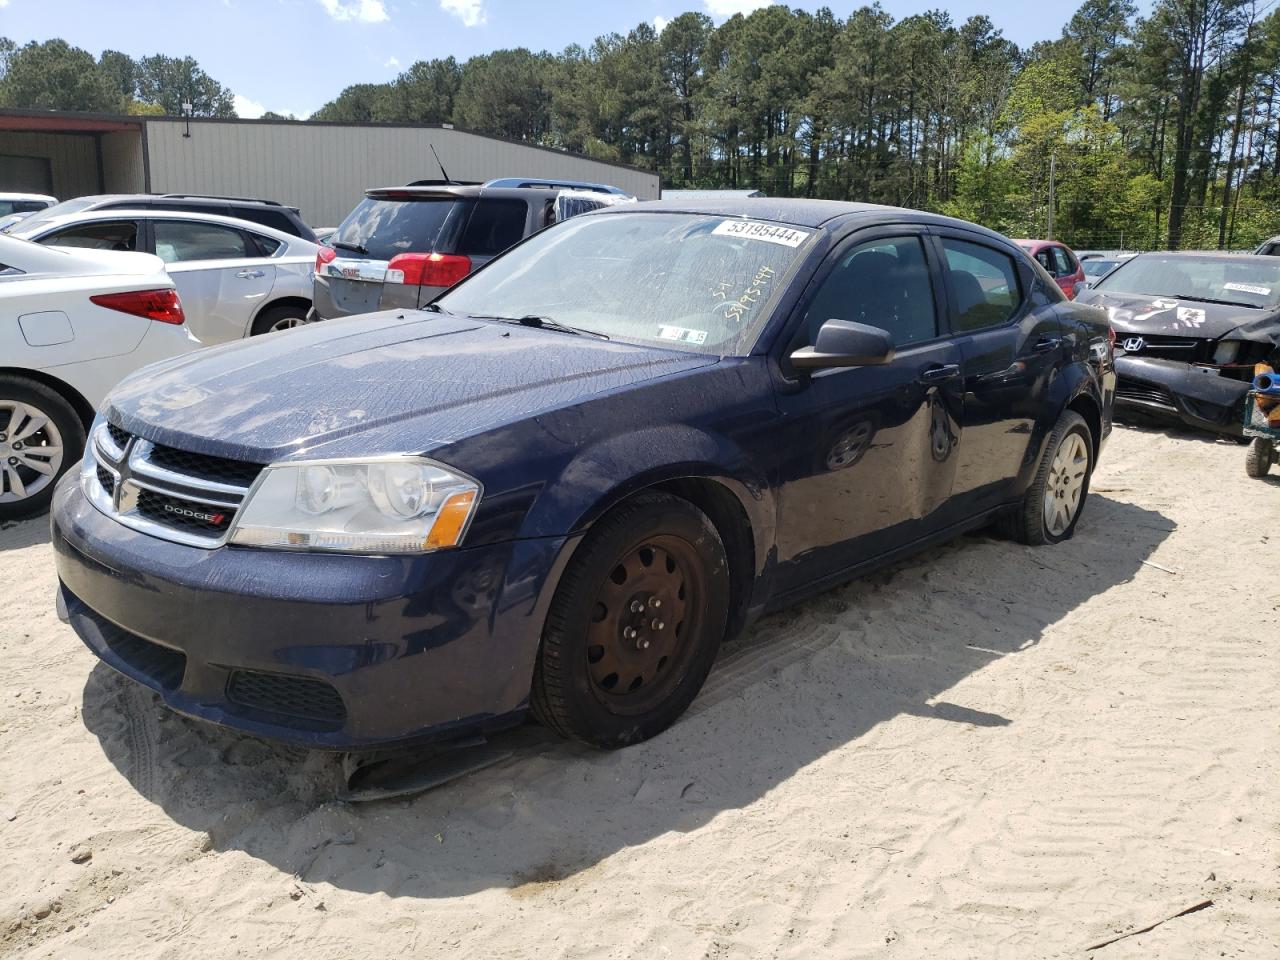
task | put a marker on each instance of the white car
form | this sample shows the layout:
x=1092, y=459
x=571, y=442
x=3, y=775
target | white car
x=16, y=206
x=236, y=278
x=72, y=324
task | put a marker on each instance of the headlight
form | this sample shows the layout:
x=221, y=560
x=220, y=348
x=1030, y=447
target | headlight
x=1226, y=351
x=391, y=505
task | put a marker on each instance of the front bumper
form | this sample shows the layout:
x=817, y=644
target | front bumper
x=1180, y=392
x=320, y=650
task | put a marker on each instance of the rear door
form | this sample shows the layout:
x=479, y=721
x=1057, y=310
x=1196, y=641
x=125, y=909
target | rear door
x=220, y=274
x=1006, y=325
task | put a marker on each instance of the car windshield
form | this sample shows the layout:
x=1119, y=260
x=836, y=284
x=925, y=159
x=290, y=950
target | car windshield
x=1245, y=280
x=381, y=228
x=692, y=282
x=1096, y=268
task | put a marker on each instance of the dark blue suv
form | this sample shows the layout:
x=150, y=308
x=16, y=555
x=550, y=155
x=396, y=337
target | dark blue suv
x=565, y=482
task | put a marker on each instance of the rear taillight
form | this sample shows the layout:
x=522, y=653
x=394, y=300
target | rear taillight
x=161, y=305
x=428, y=269
x=323, y=256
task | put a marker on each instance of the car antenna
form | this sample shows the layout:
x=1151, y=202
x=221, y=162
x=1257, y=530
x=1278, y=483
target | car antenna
x=443, y=172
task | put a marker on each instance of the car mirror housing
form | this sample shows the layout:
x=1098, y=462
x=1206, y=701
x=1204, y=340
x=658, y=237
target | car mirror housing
x=845, y=343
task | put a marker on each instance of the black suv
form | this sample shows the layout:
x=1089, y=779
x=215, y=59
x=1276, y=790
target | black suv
x=404, y=246
x=269, y=213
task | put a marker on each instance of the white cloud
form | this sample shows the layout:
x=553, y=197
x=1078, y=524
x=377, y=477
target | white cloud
x=471, y=12
x=252, y=109
x=392, y=63
x=366, y=11
x=249, y=109
x=727, y=8
x=660, y=23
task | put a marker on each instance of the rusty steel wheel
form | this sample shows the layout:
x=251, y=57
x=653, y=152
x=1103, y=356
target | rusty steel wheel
x=635, y=624
x=643, y=609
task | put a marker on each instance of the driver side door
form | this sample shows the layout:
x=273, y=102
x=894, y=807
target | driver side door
x=872, y=447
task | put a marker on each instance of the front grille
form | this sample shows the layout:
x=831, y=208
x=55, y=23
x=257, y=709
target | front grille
x=205, y=467
x=1162, y=347
x=118, y=436
x=1147, y=394
x=190, y=498
x=312, y=704
x=182, y=513
x=107, y=480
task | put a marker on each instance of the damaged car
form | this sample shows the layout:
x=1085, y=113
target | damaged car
x=1190, y=328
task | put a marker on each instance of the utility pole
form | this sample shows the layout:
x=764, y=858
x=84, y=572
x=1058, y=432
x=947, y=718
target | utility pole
x=1053, y=158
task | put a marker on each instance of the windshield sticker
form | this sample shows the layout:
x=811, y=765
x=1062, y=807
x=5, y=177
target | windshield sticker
x=1163, y=304
x=683, y=334
x=1248, y=288
x=738, y=307
x=756, y=230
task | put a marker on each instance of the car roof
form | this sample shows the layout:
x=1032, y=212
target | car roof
x=151, y=213
x=795, y=211
x=1034, y=245
x=1232, y=255
x=28, y=196
x=463, y=191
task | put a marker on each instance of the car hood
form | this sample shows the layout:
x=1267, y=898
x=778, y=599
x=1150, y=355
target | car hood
x=1169, y=316
x=390, y=382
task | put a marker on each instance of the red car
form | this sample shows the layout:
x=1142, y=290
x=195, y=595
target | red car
x=1058, y=259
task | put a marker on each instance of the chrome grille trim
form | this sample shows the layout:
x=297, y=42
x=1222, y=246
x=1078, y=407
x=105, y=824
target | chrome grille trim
x=132, y=471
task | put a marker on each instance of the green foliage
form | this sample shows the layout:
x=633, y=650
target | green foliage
x=57, y=76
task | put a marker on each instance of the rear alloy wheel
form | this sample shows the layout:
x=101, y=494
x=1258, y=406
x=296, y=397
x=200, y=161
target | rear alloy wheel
x=40, y=439
x=635, y=624
x=1056, y=498
x=278, y=318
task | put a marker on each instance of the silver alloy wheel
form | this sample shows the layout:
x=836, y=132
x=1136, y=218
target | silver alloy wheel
x=284, y=323
x=1064, y=487
x=30, y=450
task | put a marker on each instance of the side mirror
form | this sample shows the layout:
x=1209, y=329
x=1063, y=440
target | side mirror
x=844, y=343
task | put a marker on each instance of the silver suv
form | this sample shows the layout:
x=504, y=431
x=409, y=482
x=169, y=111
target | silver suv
x=403, y=246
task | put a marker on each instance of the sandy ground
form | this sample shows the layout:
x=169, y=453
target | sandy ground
x=990, y=751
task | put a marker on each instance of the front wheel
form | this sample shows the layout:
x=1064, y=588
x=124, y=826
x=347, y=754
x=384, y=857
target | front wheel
x=1055, y=499
x=634, y=625
x=41, y=438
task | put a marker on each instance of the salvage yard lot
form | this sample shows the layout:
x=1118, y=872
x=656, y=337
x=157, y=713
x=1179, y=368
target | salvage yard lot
x=988, y=751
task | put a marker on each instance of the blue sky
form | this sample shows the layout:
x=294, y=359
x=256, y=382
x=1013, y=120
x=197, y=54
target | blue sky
x=292, y=56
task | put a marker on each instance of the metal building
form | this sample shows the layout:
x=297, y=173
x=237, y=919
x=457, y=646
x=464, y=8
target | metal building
x=321, y=168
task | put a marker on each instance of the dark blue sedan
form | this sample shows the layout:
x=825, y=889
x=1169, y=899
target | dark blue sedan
x=564, y=484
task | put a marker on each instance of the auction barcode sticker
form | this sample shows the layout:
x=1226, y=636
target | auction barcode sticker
x=756, y=230
x=1247, y=288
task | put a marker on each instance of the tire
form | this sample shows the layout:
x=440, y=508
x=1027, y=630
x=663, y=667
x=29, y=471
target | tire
x=278, y=318
x=33, y=460
x=603, y=611
x=1258, y=460
x=1038, y=521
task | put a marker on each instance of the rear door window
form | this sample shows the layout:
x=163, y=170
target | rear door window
x=1065, y=262
x=100, y=235
x=494, y=226
x=382, y=228
x=984, y=282
x=178, y=241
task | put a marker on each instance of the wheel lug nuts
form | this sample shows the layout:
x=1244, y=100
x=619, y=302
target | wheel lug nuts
x=655, y=603
x=656, y=624
x=637, y=606
x=18, y=445
x=13, y=461
x=629, y=633
x=644, y=645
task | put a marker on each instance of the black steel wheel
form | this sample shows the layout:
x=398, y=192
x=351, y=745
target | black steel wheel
x=635, y=624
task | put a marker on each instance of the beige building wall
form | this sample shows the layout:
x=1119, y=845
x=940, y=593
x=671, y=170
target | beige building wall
x=324, y=169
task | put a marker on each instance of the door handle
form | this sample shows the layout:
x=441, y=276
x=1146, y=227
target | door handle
x=939, y=373
x=250, y=274
x=1045, y=344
